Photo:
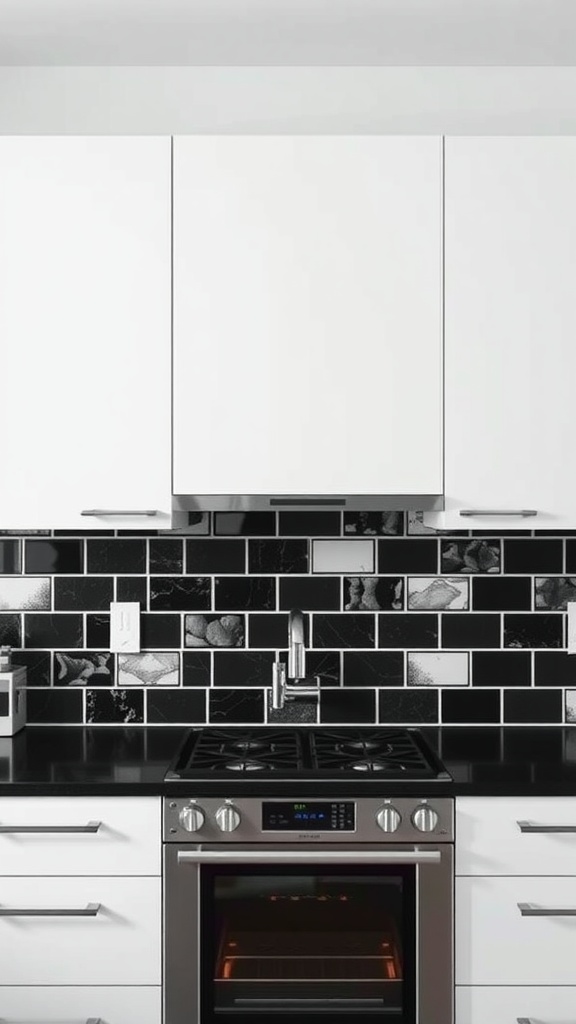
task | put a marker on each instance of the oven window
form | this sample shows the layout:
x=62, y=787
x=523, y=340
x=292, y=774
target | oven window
x=306, y=943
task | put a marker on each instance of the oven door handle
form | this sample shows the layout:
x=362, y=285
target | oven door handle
x=225, y=856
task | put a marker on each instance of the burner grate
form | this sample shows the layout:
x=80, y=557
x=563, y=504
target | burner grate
x=386, y=752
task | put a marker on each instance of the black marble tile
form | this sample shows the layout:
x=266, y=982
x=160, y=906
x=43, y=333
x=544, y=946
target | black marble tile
x=534, y=630
x=74, y=593
x=552, y=593
x=346, y=630
x=411, y=555
x=349, y=707
x=216, y=556
x=180, y=593
x=107, y=706
x=11, y=631
x=54, y=556
x=536, y=556
x=244, y=593
x=501, y=593
x=169, y=706
x=83, y=668
x=235, y=706
x=373, y=593
x=116, y=556
x=245, y=524
x=470, y=556
x=97, y=631
x=38, y=666
x=214, y=630
x=166, y=555
x=554, y=668
x=55, y=707
x=271, y=630
x=83, y=533
x=311, y=593
x=501, y=668
x=55, y=631
x=196, y=668
x=373, y=668
x=408, y=630
x=571, y=556
x=142, y=532
x=470, y=630
x=472, y=707
x=326, y=665
x=374, y=524
x=310, y=524
x=9, y=556
x=269, y=556
x=243, y=668
x=132, y=588
x=160, y=632
x=408, y=707
x=537, y=706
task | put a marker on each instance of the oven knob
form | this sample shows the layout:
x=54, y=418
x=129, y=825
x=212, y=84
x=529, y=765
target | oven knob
x=227, y=818
x=425, y=818
x=191, y=818
x=388, y=818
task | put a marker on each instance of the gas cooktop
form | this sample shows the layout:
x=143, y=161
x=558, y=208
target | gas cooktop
x=277, y=754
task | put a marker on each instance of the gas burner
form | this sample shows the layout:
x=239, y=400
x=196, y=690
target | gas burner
x=247, y=746
x=248, y=766
x=366, y=747
x=377, y=766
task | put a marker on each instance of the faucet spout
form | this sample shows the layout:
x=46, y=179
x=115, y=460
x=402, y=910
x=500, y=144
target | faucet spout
x=296, y=647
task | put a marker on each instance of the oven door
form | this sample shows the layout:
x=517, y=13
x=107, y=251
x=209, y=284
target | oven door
x=308, y=933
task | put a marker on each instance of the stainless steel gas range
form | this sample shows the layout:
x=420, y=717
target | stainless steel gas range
x=303, y=883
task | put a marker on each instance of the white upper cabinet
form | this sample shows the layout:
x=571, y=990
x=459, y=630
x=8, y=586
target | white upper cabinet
x=307, y=317
x=85, y=331
x=510, y=326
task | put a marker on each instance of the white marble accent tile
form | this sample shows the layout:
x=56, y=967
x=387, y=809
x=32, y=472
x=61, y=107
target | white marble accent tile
x=438, y=668
x=150, y=669
x=440, y=593
x=570, y=696
x=346, y=556
x=30, y=593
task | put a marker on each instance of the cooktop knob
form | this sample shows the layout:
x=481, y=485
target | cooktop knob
x=388, y=818
x=425, y=818
x=191, y=818
x=227, y=818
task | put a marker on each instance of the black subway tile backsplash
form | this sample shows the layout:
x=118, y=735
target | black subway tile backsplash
x=502, y=593
x=235, y=706
x=120, y=707
x=215, y=556
x=533, y=706
x=180, y=594
x=501, y=668
x=51, y=706
x=533, y=556
x=115, y=556
x=533, y=630
x=271, y=630
x=347, y=707
x=554, y=668
x=470, y=707
x=98, y=631
x=244, y=593
x=409, y=630
x=373, y=668
x=133, y=588
x=309, y=524
x=408, y=556
x=10, y=556
x=244, y=524
x=311, y=593
x=243, y=668
x=408, y=707
x=470, y=556
x=166, y=555
x=72, y=593
x=57, y=556
x=172, y=706
x=347, y=630
x=277, y=556
x=55, y=631
x=196, y=668
x=470, y=630
x=158, y=632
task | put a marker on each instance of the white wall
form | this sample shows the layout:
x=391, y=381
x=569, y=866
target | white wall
x=164, y=100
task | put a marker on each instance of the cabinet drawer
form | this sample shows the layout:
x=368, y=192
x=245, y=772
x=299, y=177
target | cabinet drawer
x=126, y=841
x=497, y=945
x=52, y=1005
x=490, y=840
x=508, y=1005
x=119, y=945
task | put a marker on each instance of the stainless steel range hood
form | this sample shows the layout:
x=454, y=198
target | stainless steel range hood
x=185, y=506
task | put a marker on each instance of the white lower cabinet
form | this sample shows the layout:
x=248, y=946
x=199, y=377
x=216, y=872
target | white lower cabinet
x=508, y=1004
x=54, y=1005
x=119, y=945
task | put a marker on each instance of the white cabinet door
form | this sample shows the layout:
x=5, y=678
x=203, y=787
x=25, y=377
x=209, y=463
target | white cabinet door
x=509, y=1005
x=307, y=315
x=71, y=1005
x=85, y=330
x=510, y=325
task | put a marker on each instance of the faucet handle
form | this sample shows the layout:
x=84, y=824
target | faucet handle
x=278, y=685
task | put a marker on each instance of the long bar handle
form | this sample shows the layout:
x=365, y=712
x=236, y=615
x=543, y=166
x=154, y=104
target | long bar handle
x=89, y=1020
x=308, y=857
x=528, y=826
x=91, y=826
x=119, y=512
x=90, y=910
x=524, y=512
x=532, y=910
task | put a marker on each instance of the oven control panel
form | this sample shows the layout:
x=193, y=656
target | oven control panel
x=308, y=816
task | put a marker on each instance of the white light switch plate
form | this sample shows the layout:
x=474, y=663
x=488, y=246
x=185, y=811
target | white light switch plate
x=125, y=626
x=571, y=627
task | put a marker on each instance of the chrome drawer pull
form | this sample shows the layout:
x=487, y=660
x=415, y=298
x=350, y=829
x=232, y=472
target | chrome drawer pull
x=91, y=826
x=498, y=512
x=119, y=512
x=528, y=826
x=90, y=910
x=308, y=857
x=532, y=910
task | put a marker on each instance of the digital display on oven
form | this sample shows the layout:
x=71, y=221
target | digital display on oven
x=308, y=816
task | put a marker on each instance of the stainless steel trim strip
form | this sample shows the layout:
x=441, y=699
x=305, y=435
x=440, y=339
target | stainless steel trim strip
x=91, y=826
x=528, y=826
x=498, y=512
x=227, y=856
x=90, y=910
x=119, y=512
x=184, y=503
x=532, y=910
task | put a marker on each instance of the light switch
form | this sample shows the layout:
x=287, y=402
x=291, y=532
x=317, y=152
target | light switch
x=571, y=627
x=125, y=626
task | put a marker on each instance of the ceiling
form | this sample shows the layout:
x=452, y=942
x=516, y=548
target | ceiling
x=288, y=32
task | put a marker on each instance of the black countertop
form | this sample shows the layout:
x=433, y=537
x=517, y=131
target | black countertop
x=68, y=761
